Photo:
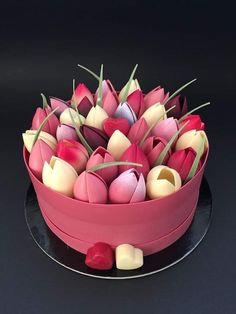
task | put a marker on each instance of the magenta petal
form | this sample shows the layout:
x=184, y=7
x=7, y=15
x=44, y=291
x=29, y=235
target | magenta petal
x=53, y=122
x=137, y=131
x=155, y=96
x=136, y=102
x=38, y=118
x=84, y=106
x=58, y=103
x=152, y=147
x=109, y=103
x=180, y=109
x=66, y=132
x=140, y=191
x=94, y=136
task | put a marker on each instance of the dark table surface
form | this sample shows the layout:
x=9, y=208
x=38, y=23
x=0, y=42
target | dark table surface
x=173, y=42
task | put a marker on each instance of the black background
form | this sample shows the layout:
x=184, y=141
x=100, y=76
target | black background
x=173, y=42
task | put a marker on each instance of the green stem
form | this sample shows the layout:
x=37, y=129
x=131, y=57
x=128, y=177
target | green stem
x=195, y=109
x=45, y=103
x=126, y=92
x=77, y=110
x=89, y=71
x=73, y=86
x=99, y=98
x=114, y=163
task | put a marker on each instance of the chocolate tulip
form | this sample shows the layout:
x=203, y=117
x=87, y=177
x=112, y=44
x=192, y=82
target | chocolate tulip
x=157, y=95
x=82, y=99
x=136, y=102
x=124, y=110
x=165, y=129
x=90, y=187
x=40, y=153
x=95, y=117
x=66, y=132
x=106, y=88
x=137, y=131
x=128, y=187
x=52, y=123
x=60, y=104
x=109, y=97
x=100, y=256
x=110, y=125
x=194, y=122
x=182, y=161
x=133, y=87
x=180, y=108
x=152, y=148
x=94, y=136
x=154, y=114
x=99, y=156
x=128, y=257
x=192, y=138
x=74, y=153
x=29, y=136
x=117, y=144
x=135, y=154
x=162, y=181
x=59, y=175
x=65, y=117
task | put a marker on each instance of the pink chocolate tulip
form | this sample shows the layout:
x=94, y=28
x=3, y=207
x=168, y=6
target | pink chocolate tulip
x=152, y=148
x=99, y=156
x=94, y=136
x=194, y=123
x=128, y=187
x=52, y=123
x=180, y=109
x=136, y=102
x=165, y=129
x=74, y=153
x=182, y=161
x=157, y=95
x=58, y=103
x=124, y=110
x=82, y=99
x=135, y=154
x=137, y=131
x=110, y=103
x=90, y=187
x=40, y=153
x=106, y=88
x=65, y=131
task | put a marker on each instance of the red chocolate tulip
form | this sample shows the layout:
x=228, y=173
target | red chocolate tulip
x=100, y=256
x=137, y=131
x=82, y=99
x=152, y=148
x=58, y=103
x=52, y=123
x=112, y=124
x=99, y=156
x=194, y=123
x=182, y=161
x=40, y=153
x=74, y=153
x=157, y=95
x=180, y=109
x=136, y=102
x=94, y=136
x=135, y=154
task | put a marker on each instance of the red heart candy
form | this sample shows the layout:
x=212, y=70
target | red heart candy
x=112, y=124
x=100, y=256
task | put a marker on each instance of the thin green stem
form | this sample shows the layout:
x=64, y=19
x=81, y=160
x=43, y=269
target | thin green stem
x=99, y=98
x=195, y=109
x=89, y=71
x=114, y=163
x=126, y=92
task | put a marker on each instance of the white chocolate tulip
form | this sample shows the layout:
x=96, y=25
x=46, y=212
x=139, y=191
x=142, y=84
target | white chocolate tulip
x=128, y=257
x=133, y=87
x=192, y=139
x=117, y=144
x=162, y=181
x=95, y=117
x=65, y=117
x=59, y=176
x=154, y=114
x=29, y=135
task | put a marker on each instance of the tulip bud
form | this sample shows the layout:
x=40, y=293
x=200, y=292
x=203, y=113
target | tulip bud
x=165, y=129
x=60, y=104
x=82, y=99
x=180, y=108
x=136, y=102
x=40, y=153
x=95, y=117
x=109, y=103
x=94, y=136
x=162, y=181
x=59, y=176
x=133, y=87
x=65, y=117
x=100, y=256
x=74, y=153
x=124, y=110
x=154, y=114
x=52, y=123
x=194, y=123
x=153, y=147
x=66, y=132
x=99, y=156
x=182, y=161
x=110, y=125
x=29, y=135
x=134, y=154
x=128, y=257
x=157, y=95
x=192, y=139
x=128, y=187
x=106, y=88
x=137, y=131
x=117, y=144
x=90, y=187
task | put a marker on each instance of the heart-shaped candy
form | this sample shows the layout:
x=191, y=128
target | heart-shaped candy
x=110, y=125
x=128, y=257
x=100, y=256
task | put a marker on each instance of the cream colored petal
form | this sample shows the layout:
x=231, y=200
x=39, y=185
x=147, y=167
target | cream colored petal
x=154, y=114
x=95, y=117
x=128, y=257
x=47, y=174
x=28, y=138
x=192, y=139
x=117, y=144
x=154, y=173
x=133, y=86
x=159, y=188
x=65, y=117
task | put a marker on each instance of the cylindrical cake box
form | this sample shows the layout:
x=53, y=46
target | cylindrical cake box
x=150, y=225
